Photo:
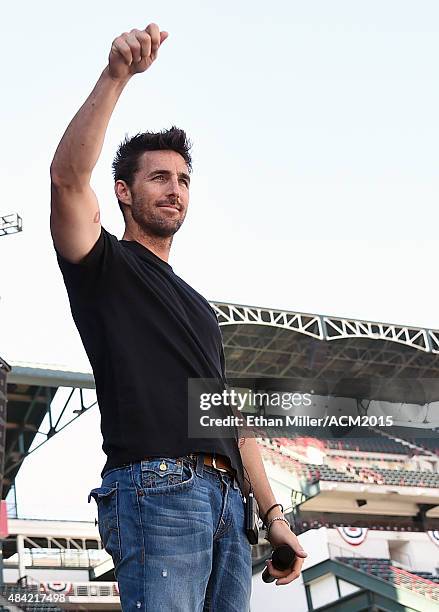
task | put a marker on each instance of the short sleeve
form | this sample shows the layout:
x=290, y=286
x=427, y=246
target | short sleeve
x=87, y=275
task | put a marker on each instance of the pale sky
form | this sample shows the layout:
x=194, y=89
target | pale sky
x=315, y=183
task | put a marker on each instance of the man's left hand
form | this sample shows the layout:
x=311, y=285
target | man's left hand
x=280, y=533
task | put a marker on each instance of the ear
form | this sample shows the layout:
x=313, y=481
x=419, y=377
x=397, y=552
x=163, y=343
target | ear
x=123, y=192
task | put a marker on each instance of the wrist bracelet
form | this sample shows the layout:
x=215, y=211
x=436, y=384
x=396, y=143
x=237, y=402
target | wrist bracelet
x=276, y=518
x=264, y=520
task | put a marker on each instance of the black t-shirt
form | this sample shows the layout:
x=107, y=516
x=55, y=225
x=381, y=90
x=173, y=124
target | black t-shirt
x=146, y=332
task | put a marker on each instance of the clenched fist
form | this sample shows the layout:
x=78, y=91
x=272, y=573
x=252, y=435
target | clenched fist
x=134, y=51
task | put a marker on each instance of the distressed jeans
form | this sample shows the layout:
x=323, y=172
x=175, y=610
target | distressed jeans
x=175, y=530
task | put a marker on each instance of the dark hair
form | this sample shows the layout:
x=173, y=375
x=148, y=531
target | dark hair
x=126, y=162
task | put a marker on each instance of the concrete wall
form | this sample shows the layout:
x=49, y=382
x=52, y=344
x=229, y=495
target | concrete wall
x=416, y=550
x=375, y=545
x=276, y=598
x=346, y=587
x=323, y=590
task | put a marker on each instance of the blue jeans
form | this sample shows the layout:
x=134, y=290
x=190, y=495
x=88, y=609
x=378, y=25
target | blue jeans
x=175, y=530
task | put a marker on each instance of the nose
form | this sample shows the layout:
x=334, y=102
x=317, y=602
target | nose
x=174, y=188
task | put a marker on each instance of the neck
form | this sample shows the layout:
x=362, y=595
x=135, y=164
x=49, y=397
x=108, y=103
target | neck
x=157, y=244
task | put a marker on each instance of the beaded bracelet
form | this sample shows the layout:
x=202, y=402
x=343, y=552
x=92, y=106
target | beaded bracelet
x=276, y=518
x=264, y=520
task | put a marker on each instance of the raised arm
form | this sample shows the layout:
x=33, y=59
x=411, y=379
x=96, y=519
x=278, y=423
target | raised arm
x=75, y=219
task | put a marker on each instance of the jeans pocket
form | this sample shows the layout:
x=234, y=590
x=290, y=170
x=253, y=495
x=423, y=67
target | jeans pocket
x=165, y=475
x=106, y=499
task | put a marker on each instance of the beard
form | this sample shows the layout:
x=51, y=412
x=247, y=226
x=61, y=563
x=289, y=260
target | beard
x=152, y=222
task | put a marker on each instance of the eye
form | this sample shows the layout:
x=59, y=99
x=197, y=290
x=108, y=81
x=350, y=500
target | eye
x=159, y=176
x=185, y=182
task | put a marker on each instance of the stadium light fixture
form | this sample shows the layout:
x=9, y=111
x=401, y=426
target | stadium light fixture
x=10, y=224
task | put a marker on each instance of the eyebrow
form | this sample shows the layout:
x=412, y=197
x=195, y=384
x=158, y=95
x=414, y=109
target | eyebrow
x=167, y=172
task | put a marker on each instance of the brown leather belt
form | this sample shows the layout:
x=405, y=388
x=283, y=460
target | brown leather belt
x=219, y=462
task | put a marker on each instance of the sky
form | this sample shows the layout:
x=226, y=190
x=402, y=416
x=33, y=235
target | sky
x=315, y=185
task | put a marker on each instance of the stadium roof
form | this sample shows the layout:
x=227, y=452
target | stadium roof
x=277, y=343
x=51, y=375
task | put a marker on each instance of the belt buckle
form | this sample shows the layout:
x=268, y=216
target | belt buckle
x=216, y=467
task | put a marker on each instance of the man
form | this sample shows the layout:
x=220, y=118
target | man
x=170, y=509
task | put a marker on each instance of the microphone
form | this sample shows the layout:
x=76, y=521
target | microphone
x=282, y=559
